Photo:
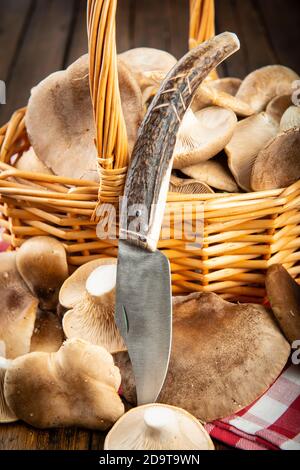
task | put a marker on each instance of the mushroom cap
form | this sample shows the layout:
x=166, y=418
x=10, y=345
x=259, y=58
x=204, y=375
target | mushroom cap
x=278, y=106
x=48, y=335
x=6, y=415
x=290, y=119
x=278, y=164
x=262, y=85
x=30, y=162
x=63, y=137
x=147, y=59
x=214, y=174
x=188, y=186
x=207, y=95
x=224, y=356
x=74, y=288
x=76, y=386
x=18, y=308
x=228, y=85
x=158, y=427
x=42, y=263
x=202, y=135
x=250, y=136
x=284, y=296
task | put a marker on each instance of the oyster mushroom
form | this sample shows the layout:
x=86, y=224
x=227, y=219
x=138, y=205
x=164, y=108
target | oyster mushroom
x=228, y=85
x=63, y=136
x=278, y=164
x=214, y=174
x=6, y=415
x=202, y=135
x=290, y=119
x=284, y=296
x=188, y=186
x=48, y=334
x=262, y=85
x=224, y=356
x=30, y=162
x=158, y=427
x=76, y=386
x=149, y=66
x=18, y=309
x=250, y=136
x=90, y=294
x=42, y=263
x=278, y=106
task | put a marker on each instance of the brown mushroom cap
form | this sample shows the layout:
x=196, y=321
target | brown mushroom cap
x=214, y=174
x=284, y=296
x=290, y=119
x=262, y=85
x=278, y=164
x=63, y=137
x=188, y=186
x=42, y=263
x=158, y=427
x=48, y=335
x=224, y=356
x=76, y=386
x=18, y=309
x=249, y=137
x=278, y=106
x=6, y=415
x=202, y=135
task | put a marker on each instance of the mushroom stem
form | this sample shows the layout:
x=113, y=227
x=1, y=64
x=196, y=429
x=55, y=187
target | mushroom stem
x=100, y=285
x=161, y=420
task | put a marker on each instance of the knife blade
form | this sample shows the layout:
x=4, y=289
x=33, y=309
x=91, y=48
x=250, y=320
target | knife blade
x=143, y=291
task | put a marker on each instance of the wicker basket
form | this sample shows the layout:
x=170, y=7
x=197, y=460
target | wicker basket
x=243, y=233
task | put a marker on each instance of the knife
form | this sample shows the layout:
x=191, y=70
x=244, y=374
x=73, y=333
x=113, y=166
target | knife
x=143, y=290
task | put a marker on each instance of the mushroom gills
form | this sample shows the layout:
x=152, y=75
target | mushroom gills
x=6, y=415
x=290, y=119
x=214, y=174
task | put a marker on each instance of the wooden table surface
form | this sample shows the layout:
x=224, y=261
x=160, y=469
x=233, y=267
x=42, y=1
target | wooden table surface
x=38, y=37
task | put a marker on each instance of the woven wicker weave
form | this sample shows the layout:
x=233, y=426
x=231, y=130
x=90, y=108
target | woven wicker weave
x=242, y=233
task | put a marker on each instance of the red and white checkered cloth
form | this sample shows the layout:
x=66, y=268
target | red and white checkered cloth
x=271, y=423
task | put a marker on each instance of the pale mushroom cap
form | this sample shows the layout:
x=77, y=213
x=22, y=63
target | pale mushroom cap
x=262, y=85
x=42, y=263
x=18, y=308
x=207, y=95
x=30, y=162
x=158, y=427
x=224, y=356
x=290, y=119
x=278, y=106
x=74, y=288
x=250, y=136
x=63, y=137
x=278, y=164
x=188, y=186
x=48, y=334
x=6, y=415
x=147, y=59
x=228, y=85
x=202, y=135
x=214, y=174
x=76, y=386
x=284, y=296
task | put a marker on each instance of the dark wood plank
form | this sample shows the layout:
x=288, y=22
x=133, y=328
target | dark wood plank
x=78, y=41
x=151, y=25
x=14, y=15
x=178, y=17
x=125, y=16
x=42, y=51
x=21, y=437
x=282, y=22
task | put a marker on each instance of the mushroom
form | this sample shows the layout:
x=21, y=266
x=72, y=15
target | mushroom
x=202, y=135
x=284, y=296
x=224, y=356
x=290, y=119
x=18, y=309
x=262, y=85
x=208, y=95
x=214, y=174
x=60, y=121
x=76, y=386
x=158, y=427
x=228, y=85
x=90, y=294
x=250, y=136
x=48, y=334
x=42, y=263
x=149, y=66
x=278, y=164
x=188, y=186
x=278, y=106
x=6, y=415
x=30, y=162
